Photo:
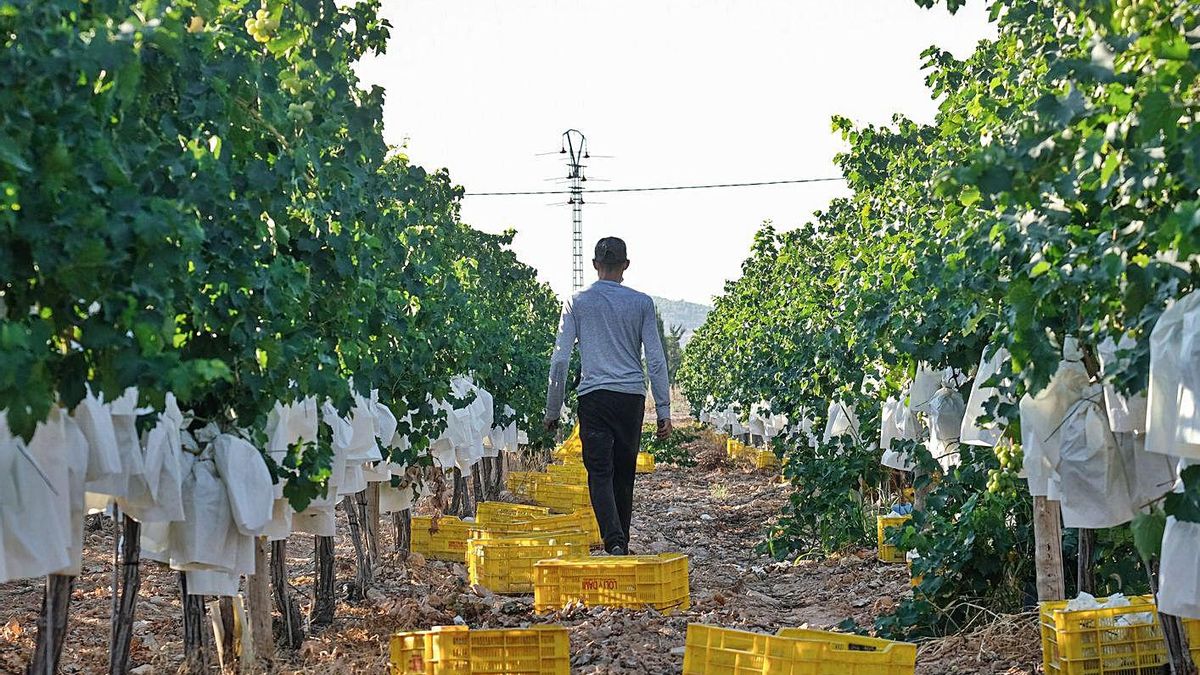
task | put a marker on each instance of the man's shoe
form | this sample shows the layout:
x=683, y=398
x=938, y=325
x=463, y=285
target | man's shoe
x=617, y=550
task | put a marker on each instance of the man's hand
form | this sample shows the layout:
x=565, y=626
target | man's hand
x=550, y=425
x=664, y=429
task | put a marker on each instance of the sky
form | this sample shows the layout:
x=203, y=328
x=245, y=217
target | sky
x=676, y=92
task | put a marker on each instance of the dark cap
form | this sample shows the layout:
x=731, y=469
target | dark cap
x=610, y=250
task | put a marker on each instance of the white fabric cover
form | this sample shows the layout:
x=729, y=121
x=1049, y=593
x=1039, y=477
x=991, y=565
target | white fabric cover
x=1093, y=478
x=972, y=431
x=363, y=445
x=317, y=521
x=124, y=413
x=1150, y=475
x=200, y=541
x=925, y=384
x=1041, y=424
x=280, y=525
x=1125, y=413
x=946, y=409
x=1172, y=416
x=95, y=421
x=25, y=552
x=1179, y=573
x=155, y=495
x=898, y=423
x=247, y=483
x=394, y=500
x=840, y=420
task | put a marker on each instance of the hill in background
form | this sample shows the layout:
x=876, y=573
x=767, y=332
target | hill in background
x=682, y=313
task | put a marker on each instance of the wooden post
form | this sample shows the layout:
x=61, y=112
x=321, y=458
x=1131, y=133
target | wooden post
x=372, y=522
x=258, y=587
x=402, y=521
x=1179, y=657
x=456, y=502
x=1047, y=537
x=477, y=485
x=323, y=605
x=52, y=624
x=290, y=621
x=196, y=658
x=362, y=563
x=220, y=612
x=130, y=546
x=1085, y=577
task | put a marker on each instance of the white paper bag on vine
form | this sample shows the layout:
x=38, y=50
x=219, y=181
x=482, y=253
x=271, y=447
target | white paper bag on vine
x=26, y=549
x=1126, y=413
x=973, y=431
x=95, y=421
x=1172, y=414
x=1042, y=419
x=841, y=421
x=946, y=409
x=898, y=423
x=1179, y=573
x=1093, y=478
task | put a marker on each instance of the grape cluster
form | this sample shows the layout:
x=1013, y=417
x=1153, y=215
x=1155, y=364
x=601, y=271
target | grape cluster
x=300, y=113
x=1004, y=479
x=261, y=26
x=1133, y=15
x=291, y=83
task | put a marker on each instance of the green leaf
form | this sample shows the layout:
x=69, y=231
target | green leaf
x=1148, y=533
x=1039, y=269
x=1186, y=505
x=10, y=154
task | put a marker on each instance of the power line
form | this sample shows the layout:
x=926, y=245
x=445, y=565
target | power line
x=655, y=189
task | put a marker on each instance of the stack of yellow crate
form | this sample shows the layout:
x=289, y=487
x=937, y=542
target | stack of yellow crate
x=761, y=458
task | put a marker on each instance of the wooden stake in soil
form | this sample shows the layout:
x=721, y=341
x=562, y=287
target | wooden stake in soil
x=477, y=483
x=402, y=522
x=1047, y=537
x=291, y=632
x=258, y=587
x=1086, y=578
x=372, y=520
x=195, y=656
x=456, y=502
x=321, y=612
x=363, y=564
x=52, y=625
x=220, y=611
x=130, y=547
x=1178, y=655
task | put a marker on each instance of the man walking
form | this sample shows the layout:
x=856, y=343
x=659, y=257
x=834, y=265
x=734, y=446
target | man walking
x=613, y=324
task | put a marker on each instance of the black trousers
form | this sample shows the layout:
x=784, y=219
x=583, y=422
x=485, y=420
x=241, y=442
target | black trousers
x=611, y=431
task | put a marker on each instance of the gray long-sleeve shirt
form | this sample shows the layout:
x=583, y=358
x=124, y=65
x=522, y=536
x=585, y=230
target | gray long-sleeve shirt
x=612, y=324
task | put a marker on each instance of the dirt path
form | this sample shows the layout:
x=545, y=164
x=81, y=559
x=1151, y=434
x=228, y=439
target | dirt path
x=715, y=513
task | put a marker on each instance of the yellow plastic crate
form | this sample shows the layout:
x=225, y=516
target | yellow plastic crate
x=819, y=652
x=710, y=650
x=887, y=552
x=635, y=581
x=583, y=520
x=498, y=513
x=456, y=650
x=645, y=462
x=522, y=482
x=569, y=474
x=505, y=565
x=448, y=543
x=765, y=459
x=562, y=498
x=1107, y=641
